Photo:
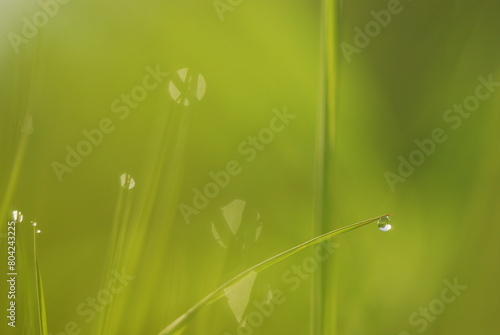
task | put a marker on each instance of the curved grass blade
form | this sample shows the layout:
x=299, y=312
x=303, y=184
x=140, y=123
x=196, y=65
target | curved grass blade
x=176, y=325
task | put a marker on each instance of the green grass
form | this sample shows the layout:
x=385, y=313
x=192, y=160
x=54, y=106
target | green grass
x=178, y=325
x=353, y=121
x=42, y=311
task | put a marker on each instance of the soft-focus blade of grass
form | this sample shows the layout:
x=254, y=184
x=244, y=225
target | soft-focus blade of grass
x=166, y=156
x=172, y=151
x=42, y=315
x=216, y=294
x=16, y=168
x=116, y=250
x=25, y=289
x=14, y=175
x=162, y=166
x=31, y=311
x=325, y=147
x=129, y=232
x=24, y=107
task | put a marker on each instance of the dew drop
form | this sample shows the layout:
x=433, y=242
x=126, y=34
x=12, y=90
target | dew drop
x=38, y=231
x=17, y=216
x=384, y=224
x=126, y=181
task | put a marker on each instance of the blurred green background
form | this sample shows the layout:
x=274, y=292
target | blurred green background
x=395, y=71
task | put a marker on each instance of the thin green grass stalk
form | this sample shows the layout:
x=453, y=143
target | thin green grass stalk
x=180, y=322
x=116, y=251
x=31, y=312
x=174, y=152
x=152, y=183
x=14, y=175
x=325, y=147
x=171, y=133
x=27, y=319
x=165, y=159
x=42, y=314
x=30, y=55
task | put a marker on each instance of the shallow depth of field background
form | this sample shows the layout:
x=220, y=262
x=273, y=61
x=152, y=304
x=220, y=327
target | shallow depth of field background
x=263, y=57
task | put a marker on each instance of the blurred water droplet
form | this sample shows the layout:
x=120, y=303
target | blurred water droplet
x=17, y=216
x=233, y=214
x=238, y=295
x=186, y=87
x=38, y=231
x=217, y=236
x=34, y=224
x=238, y=225
x=127, y=181
x=384, y=224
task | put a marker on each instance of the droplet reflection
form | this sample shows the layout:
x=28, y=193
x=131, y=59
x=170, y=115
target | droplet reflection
x=17, y=216
x=127, y=181
x=384, y=224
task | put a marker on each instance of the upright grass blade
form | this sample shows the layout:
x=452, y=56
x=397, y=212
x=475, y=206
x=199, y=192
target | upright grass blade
x=31, y=313
x=160, y=180
x=42, y=315
x=325, y=156
x=29, y=61
x=180, y=322
x=116, y=250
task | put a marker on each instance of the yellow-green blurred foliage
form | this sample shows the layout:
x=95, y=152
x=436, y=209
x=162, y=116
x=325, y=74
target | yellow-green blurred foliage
x=257, y=59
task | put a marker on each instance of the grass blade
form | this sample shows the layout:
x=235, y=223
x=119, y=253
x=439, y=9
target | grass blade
x=321, y=324
x=42, y=315
x=325, y=155
x=217, y=293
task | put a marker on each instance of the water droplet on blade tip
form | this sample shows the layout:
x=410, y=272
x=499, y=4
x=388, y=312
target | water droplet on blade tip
x=384, y=224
